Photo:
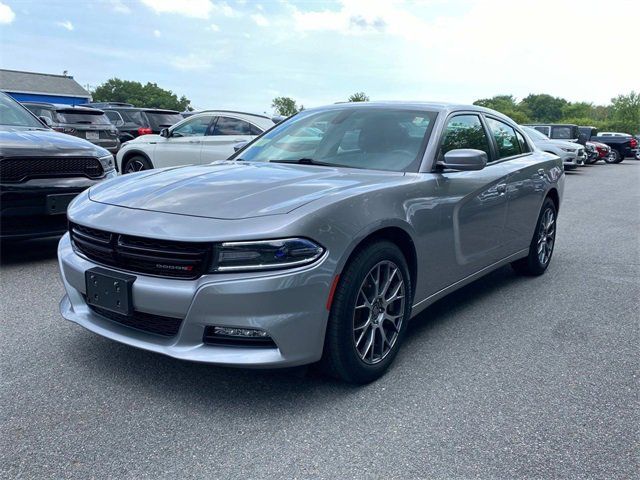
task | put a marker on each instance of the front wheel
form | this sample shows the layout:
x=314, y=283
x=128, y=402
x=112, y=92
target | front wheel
x=369, y=314
x=542, y=243
x=136, y=163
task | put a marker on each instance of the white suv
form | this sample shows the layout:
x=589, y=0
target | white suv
x=198, y=139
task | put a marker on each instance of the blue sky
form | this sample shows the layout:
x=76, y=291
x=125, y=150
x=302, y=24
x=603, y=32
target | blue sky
x=240, y=53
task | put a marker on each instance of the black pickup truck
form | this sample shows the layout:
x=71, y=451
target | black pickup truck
x=621, y=145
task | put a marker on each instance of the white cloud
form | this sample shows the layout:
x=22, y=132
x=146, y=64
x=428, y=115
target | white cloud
x=6, y=14
x=119, y=6
x=188, y=8
x=260, y=20
x=67, y=25
x=192, y=61
x=214, y=28
x=157, y=34
x=191, y=8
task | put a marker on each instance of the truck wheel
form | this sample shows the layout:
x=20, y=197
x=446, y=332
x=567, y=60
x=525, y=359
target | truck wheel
x=613, y=157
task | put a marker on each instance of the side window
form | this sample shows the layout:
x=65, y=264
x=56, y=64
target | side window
x=505, y=136
x=194, y=127
x=231, y=126
x=524, y=148
x=545, y=130
x=464, y=131
x=255, y=130
x=563, y=133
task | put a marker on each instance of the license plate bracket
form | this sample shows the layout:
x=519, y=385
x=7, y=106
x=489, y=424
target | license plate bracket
x=110, y=290
x=57, y=203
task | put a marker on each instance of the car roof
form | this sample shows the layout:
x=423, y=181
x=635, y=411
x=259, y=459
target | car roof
x=62, y=106
x=228, y=111
x=440, y=107
x=131, y=108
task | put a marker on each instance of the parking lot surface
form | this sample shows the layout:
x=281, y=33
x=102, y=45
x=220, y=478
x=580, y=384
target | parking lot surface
x=510, y=377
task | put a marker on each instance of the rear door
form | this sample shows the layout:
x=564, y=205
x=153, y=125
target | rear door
x=227, y=132
x=525, y=184
x=184, y=145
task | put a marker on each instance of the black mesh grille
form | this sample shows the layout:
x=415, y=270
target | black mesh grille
x=185, y=260
x=21, y=169
x=147, y=322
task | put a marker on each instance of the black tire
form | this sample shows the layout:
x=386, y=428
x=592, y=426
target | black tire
x=137, y=163
x=341, y=357
x=533, y=264
x=613, y=157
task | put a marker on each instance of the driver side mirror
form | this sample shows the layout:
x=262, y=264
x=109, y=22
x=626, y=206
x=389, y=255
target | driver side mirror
x=165, y=133
x=46, y=120
x=464, y=159
x=240, y=145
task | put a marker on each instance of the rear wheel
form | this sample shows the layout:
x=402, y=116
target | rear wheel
x=136, y=163
x=369, y=315
x=613, y=157
x=542, y=243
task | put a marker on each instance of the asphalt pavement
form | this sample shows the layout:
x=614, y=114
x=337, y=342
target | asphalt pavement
x=510, y=377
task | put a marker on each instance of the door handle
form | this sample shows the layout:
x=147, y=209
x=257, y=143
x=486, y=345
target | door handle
x=239, y=140
x=541, y=172
x=193, y=141
x=501, y=188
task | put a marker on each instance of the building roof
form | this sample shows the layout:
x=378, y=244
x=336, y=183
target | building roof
x=43, y=83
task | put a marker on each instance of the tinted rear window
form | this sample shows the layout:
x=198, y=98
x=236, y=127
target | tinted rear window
x=163, y=120
x=83, y=118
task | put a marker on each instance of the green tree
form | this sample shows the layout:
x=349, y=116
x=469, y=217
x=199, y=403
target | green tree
x=149, y=95
x=286, y=106
x=543, y=107
x=505, y=104
x=358, y=97
x=578, y=110
x=625, y=112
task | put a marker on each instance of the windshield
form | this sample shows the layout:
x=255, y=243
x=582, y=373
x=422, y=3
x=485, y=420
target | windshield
x=535, y=134
x=375, y=138
x=88, y=118
x=159, y=120
x=14, y=115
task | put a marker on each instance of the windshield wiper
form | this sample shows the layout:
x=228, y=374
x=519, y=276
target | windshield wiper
x=305, y=161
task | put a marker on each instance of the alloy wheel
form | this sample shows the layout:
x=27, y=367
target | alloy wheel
x=135, y=166
x=379, y=312
x=546, y=236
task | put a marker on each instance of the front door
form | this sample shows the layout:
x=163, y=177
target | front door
x=477, y=211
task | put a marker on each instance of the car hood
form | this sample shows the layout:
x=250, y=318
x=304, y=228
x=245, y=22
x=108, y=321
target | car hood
x=556, y=143
x=18, y=142
x=565, y=144
x=234, y=190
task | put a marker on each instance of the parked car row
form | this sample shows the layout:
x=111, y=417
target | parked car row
x=612, y=147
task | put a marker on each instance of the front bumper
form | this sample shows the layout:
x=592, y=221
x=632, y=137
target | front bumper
x=570, y=160
x=23, y=212
x=290, y=306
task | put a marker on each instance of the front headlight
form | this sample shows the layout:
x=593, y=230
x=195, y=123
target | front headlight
x=265, y=255
x=107, y=162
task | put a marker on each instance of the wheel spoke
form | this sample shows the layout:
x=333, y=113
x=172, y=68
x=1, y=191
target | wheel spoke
x=378, y=312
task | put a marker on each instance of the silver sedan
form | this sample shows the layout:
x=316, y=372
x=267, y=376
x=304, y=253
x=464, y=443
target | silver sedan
x=316, y=242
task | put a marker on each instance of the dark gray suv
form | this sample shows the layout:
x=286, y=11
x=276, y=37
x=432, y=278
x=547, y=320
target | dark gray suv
x=88, y=123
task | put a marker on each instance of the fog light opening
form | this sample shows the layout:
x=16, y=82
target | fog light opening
x=237, y=337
